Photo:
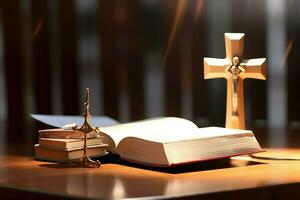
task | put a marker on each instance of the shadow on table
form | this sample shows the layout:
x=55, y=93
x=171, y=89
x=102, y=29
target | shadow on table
x=200, y=166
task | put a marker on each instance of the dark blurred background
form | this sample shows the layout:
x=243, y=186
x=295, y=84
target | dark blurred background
x=144, y=58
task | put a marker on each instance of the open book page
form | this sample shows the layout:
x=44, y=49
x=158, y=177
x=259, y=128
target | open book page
x=152, y=129
x=166, y=130
x=187, y=145
x=201, y=133
x=181, y=134
x=63, y=120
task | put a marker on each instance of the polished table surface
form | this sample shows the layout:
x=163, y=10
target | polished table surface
x=115, y=181
x=240, y=177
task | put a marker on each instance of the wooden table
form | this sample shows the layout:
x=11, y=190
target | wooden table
x=239, y=177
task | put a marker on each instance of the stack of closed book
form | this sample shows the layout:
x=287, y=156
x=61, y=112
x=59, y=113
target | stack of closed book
x=66, y=146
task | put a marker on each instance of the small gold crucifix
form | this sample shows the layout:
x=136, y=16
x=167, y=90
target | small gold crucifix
x=235, y=69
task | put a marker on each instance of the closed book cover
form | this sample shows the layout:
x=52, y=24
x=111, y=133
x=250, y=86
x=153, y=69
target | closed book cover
x=65, y=133
x=68, y=144
x=72, y=156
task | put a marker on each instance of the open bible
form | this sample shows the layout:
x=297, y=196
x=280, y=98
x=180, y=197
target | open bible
x=169, y=141
x=172, y=141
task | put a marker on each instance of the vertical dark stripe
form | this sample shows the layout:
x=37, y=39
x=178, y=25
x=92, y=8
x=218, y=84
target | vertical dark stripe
x=199, y=85
x=42, y=69
x=173, y=82
x=14, y=65
x=135, y=63
x=68, y=44
x=292, y=55
x=253, y=23
x=172, y=65
x=111, y=91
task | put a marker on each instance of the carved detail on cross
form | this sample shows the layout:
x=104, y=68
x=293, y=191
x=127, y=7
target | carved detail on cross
x=235, y=69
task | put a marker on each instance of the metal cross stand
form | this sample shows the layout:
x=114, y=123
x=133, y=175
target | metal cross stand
x=86, y=128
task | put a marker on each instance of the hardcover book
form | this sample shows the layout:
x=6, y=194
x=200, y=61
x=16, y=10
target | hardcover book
x=68, y=144
x=67, y=156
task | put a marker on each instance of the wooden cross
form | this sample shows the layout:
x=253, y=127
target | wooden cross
x=235, y=69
